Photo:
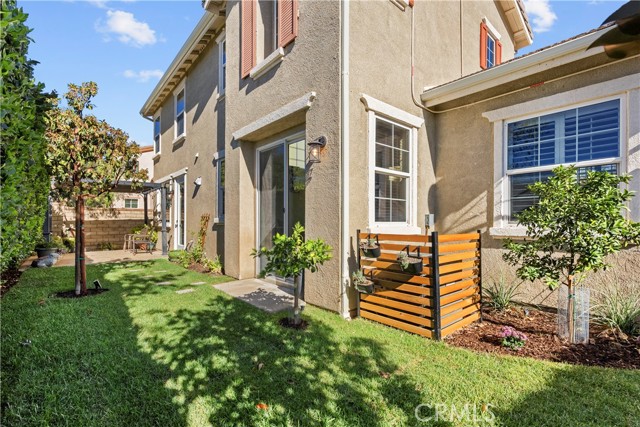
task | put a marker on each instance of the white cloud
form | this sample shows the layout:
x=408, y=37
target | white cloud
x=127, y=29
x=143, y=76
x=541, y=14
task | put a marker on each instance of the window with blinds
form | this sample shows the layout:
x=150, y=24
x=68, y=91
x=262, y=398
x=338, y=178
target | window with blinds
x=588, y=137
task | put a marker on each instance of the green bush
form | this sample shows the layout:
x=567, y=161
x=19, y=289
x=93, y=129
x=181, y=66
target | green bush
x=23, y=176
x=212, y=265
x=105, y=246
x=618, y=307
x=175, y=254
x=69, y=243
x=500, y=293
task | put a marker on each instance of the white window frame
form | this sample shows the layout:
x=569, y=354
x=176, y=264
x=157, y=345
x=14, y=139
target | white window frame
x=380, y=110
x=157, y=117
x=182, y=87
x=625, y=89
x=128, y=199
x=219, y=158
x=222, y=65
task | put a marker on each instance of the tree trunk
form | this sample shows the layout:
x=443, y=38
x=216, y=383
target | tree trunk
x=297, y=287
x=80, y=268
x=571, y=309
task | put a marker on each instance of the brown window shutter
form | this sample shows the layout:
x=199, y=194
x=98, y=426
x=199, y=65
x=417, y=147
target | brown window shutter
x=484, y=32
x=498, y=52
x=248, y=36
x=287, y=21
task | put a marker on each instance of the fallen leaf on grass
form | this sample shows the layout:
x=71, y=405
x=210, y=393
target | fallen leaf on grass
x=385, y=375
x=262, y=406
x=260, y=365
x=41, y=302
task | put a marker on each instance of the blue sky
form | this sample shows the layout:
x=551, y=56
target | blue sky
x=125, y=46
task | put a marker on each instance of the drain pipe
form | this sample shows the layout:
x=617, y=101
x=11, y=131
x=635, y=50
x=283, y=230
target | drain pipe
x=344, y=157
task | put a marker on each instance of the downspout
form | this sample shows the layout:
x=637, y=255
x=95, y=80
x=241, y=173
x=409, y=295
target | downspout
x=344, y=156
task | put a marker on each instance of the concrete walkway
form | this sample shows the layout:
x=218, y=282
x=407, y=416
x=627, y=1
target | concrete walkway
x=98, y=257
x=259, y=293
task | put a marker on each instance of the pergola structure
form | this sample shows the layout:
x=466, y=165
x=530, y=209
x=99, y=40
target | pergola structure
x=146, y=188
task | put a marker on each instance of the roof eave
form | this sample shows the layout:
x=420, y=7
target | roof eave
x=197, y=41
x=555, y=56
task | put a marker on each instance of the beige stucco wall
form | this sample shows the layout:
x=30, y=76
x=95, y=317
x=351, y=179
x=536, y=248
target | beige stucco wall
x=204, y=137
x=465, y=171
x=380, y=67
x=311, y=63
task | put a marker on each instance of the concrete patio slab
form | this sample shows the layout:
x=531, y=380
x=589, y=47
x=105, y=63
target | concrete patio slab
x=99, y=257
x=264, y=295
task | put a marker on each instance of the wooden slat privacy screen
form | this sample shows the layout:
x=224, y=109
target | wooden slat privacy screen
x=445, y=297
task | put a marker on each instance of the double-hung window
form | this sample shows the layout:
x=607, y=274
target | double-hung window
x=180, y=113
x=392, y=172
x=222, y=60
x=156, y=135
x=490, y=46
x=587, y=136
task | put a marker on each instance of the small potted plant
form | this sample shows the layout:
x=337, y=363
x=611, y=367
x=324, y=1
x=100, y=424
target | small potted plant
x=408, y=264
x=361, y=283
x=370, y=247
x=44, y=248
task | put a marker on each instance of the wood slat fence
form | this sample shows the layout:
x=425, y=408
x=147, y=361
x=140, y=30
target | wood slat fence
x=444, y=298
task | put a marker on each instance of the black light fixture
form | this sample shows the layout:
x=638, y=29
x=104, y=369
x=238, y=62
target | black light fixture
x=314, y=149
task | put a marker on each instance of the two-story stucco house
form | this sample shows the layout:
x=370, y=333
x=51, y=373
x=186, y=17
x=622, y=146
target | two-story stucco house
x=259, y=80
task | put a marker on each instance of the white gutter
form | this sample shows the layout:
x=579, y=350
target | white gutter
x=198, y=32
x=344, y=157
x=552, y=57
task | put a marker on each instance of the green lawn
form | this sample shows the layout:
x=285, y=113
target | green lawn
x=142, y=355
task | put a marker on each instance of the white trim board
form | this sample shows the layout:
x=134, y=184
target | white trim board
x=302, y=103
x=565, y=99
x=388, y=110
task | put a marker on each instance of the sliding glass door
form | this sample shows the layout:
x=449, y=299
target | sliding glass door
x=281, y=189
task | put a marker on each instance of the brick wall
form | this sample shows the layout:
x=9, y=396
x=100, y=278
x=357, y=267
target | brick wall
x=101, y=225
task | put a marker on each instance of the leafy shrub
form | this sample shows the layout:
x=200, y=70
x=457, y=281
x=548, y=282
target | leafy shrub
x=105, y=246
x=212, y=265
x=54, y=243
x=618, y=307
x=512, y=338
x=69, y=243
x=23, y=176
x=175, y=255
x=501, y=294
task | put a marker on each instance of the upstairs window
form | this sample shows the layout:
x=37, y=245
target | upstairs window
x=180, y=121
x=266, y=26
x=156, y=135
x=588, y=137
x=222, y=60
x=490, y=46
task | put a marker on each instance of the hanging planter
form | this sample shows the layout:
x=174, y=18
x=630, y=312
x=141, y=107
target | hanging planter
x=409, y=264
x=362, y=283
x=370, y=247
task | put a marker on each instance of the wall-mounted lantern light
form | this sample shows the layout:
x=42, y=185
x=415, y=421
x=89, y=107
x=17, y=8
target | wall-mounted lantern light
x=314, y=149
x=198, y=181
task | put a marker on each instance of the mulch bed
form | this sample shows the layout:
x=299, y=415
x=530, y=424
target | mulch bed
x=287, y=322
x=72, y=294
x=604, y=349
x=8, y=279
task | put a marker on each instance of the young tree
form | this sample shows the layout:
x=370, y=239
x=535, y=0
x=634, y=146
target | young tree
x=86, y=159
x=290, y=256
x=573, y=228
x=23, y=178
